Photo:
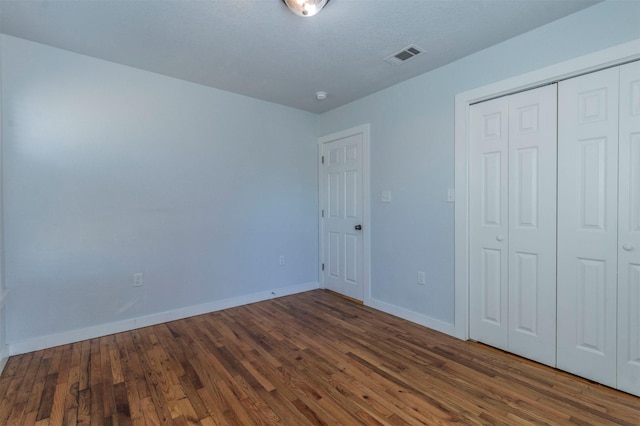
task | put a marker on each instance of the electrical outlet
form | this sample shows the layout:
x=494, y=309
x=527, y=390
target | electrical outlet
x=137, y=279
x=281, y=260
x=422, y=280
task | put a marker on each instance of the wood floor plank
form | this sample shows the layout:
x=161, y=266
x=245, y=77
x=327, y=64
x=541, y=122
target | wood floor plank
x=106, y=374
x=9, y=397
x=308, y=359
x=70, y=417
x=215, y=405
x=156, y=404
x=96, y=407
x=56, y=414
x=36, y=388
x=84, y=407
x=128, y=388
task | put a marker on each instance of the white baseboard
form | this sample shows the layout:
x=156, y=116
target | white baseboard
x=424, y=320
x=148, y=320
x=4, y=357
x=4, y=349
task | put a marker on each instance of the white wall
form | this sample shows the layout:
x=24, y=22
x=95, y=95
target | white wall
x=412, y=151
x=110, y=170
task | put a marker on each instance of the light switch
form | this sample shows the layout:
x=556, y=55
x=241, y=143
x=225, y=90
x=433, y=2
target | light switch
x=451, y=195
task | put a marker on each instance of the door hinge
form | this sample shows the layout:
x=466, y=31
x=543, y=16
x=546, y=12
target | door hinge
x=322, y=212
x=323, y=159
x=323, y=266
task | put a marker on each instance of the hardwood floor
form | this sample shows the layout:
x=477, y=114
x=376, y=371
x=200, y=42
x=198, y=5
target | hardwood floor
x=311, y=358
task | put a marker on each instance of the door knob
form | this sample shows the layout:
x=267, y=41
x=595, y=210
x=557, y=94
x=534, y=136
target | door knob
x=500, y=237
x=358, y=227
x=628, y=247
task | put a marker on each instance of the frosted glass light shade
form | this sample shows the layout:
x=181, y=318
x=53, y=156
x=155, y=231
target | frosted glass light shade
x=305, y=8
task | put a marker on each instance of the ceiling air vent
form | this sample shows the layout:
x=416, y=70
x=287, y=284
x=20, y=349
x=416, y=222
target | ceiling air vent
x=403, y=55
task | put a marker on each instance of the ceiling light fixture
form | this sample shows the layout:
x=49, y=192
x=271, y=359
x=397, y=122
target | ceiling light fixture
x=321, y=96
x=306, y=8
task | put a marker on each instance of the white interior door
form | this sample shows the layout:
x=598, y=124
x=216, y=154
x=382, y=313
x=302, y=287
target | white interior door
x=513, y=223
x=488, y=223
x=629, y=231
x=532, y=224
x=342, y=211
x=587, y=225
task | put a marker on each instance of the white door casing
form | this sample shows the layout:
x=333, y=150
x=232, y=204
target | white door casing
x=587, y=225
x=512, y=223
x=344, y=223
x=629, y=231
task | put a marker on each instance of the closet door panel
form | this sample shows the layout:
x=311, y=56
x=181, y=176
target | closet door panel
x=532, y=224
x=489, y=223
x=629, y=231
x=587, y=225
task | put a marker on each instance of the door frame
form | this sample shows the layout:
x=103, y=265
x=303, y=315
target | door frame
x=609, y=57
x=364, y=130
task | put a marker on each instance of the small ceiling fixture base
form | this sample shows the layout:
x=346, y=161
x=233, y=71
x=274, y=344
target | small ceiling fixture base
x=305, y=8
x=321, y=96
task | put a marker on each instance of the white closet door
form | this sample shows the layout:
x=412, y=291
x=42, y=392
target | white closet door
x=532, y=224
x=488, y=236
x=629, y=231
x=587, y=225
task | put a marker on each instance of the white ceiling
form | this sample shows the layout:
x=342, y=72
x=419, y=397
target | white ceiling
x=260, y=49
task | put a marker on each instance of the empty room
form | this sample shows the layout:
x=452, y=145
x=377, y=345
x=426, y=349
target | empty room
x=345, y=212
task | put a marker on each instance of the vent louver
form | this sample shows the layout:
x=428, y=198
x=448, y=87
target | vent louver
x=403, y=55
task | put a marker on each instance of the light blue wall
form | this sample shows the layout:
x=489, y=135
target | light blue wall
x=412, y=150
x=112, y=170
x=4, y=350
